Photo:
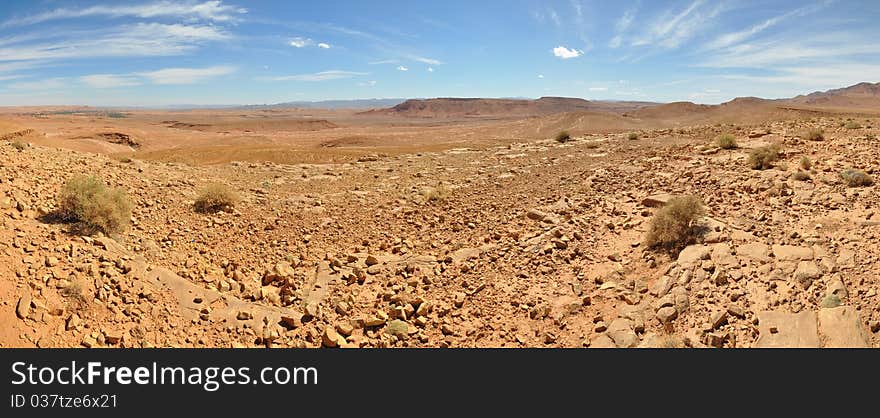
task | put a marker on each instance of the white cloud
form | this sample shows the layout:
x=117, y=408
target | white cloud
x=540, y=75
x=565, y=53
x=380, y=62
x=323, y=45
x=370, y=83
x=598, y=89
x=214, y=11
x=429, y=61
x=321, y=76
x=822, y=76
x=106, y=81
x=402, y=68
x=186, y=75
x=301, y=42
x=430, y=69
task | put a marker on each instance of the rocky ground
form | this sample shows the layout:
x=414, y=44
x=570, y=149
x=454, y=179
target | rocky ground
x=533, y=244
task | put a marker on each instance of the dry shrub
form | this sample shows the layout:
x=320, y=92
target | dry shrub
x=801, y=176
x=805, y=163
x=632, y=136
x=814, y=135
x=216, y=197
x=437, y=194
x=563, y=137
x=763, y=157
x=852, y=125
x=18, y=145
x=93, y=206
x=675, y=225
x=726, y=142
x=856, y=178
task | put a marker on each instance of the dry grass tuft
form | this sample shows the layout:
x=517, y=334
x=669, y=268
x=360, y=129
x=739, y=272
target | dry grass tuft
x=675, y=225
x=93, y=206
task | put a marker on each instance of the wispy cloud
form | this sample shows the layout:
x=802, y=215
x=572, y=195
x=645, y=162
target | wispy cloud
x=732, y=38
x=143, y=39
x=402, y=68
x=186, y=75
x=48, y=84
x=106, y=81
x=380, y=62
x=671, y=29
x=321, y=76
x=323, y=45
x=370, y=83
x=622, y=25
x=214, y=11
x=566, y=53
x=598, y=89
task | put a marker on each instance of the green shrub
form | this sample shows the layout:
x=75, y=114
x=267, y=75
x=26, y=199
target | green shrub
x=726, y=141
x=814, y=135
x=675, y=226
x=563, y=137
x=856, y=178
x=216, y=197
x=95, y=207
x=763, y=157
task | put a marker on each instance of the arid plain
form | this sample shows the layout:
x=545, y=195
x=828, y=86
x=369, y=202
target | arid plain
x=449, y=223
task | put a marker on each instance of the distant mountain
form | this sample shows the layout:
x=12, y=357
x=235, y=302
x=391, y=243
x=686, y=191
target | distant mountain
x=336, y=104
x=479, y=107
x=862, y=95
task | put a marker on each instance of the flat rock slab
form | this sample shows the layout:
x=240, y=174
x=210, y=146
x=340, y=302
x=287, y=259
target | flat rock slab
x=657, y=200
x=792, y=253
x=841, y=327
x=693, y=254
x=787, y=330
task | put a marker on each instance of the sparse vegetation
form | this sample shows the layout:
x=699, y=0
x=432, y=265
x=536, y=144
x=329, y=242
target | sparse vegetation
x=801, y=176
x=632, y=136
x=870, y=137
x=563, y=137
x=814, y=135
x=86, y=201
x=216, y=197
x=762, y=158
x=852, y=125
x=675, y=226
x=805, y=163
x=18, y=145
x=73, y=291
x=726, y=141
x=856, y=178
x=437, y=194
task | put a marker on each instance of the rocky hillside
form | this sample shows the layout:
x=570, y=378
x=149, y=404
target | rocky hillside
x=533, y=244
x=463, y=107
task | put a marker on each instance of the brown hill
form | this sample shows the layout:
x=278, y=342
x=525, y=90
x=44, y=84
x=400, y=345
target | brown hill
x=478, y=107
x=860, y=96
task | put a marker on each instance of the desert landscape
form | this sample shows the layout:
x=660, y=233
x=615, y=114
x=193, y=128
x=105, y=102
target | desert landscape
x=553, y=222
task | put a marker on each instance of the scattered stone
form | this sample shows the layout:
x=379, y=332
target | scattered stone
x=620, y=330
x=23, y=309
x=667, y=314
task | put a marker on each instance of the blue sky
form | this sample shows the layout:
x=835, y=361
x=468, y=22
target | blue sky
x=154, y=53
